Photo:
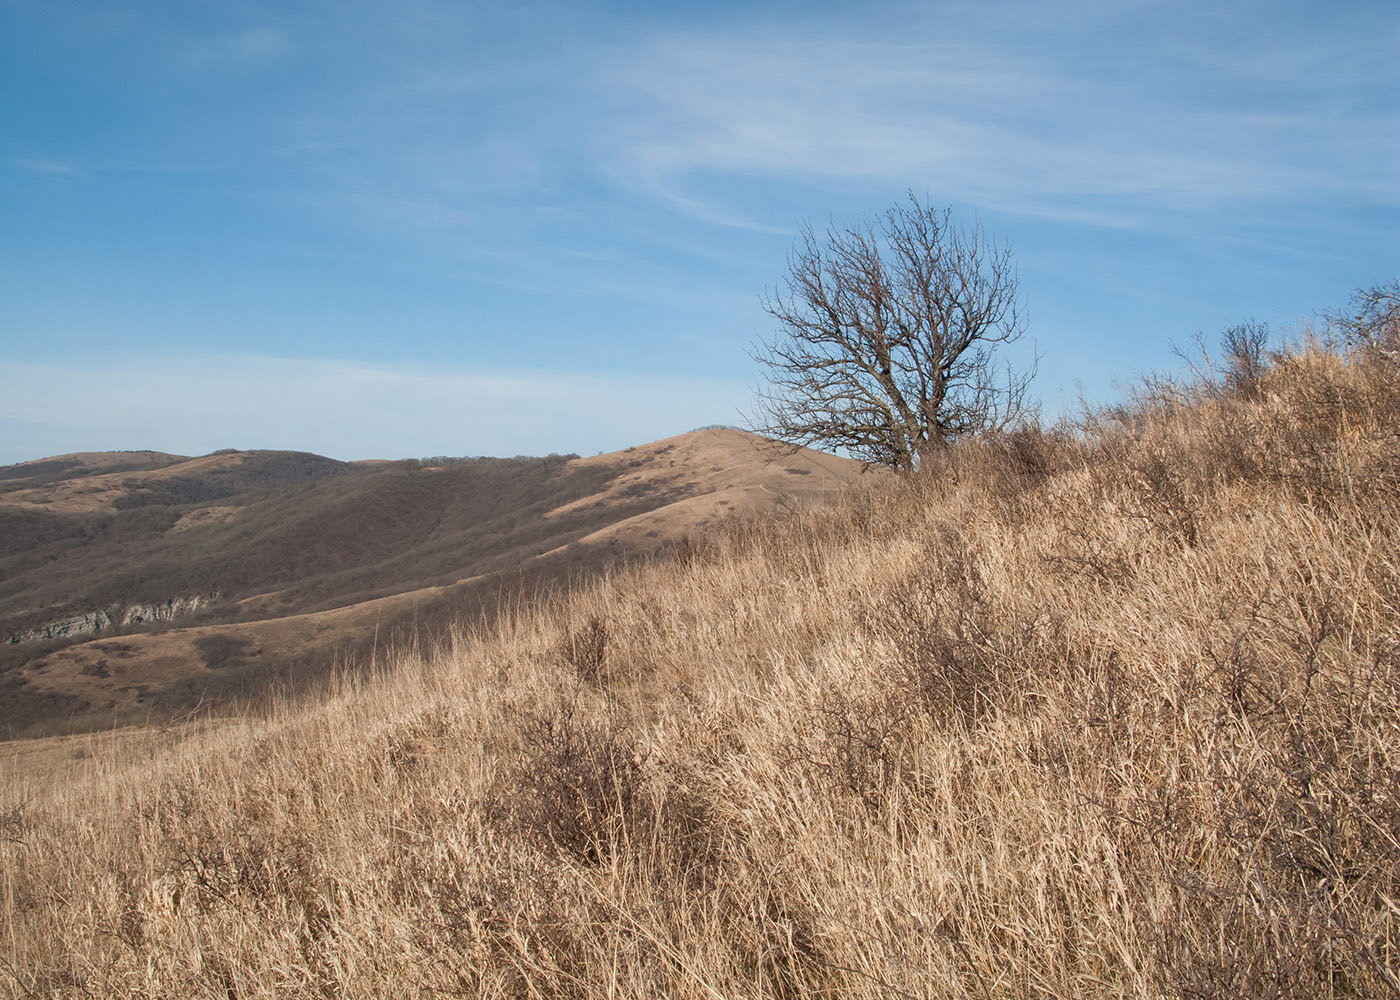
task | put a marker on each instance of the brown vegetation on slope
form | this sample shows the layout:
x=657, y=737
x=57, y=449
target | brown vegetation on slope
x=316, y=563
x=1111, y=711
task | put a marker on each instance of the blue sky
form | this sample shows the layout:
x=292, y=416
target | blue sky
x=400, y=229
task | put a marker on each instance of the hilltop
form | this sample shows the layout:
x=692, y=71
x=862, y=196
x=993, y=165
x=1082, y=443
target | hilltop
x=139, y=585
x=1110, y=709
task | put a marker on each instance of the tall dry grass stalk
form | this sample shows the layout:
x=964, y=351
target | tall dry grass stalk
x=1105, y=711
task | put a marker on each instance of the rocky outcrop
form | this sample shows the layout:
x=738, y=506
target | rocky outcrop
x=86, y=624
x=104, y=619
x=145, y=614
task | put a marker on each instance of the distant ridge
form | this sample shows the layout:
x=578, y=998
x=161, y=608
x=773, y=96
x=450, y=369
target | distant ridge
x=310, y=557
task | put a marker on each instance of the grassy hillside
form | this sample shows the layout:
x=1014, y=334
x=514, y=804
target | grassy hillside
x=1109, y=711
x=331, y=535
x=277, y=544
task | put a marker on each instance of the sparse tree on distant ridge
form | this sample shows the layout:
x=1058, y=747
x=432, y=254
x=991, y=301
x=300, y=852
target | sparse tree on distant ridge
x=887, y=338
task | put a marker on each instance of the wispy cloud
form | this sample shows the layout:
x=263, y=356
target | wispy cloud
x=417, y=211
x=1002, y=125
x=47, y=168
x=254, y=45
x=1108, y=114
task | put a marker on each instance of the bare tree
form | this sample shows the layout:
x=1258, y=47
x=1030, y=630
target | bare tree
x=1245, y=346
x=887, y=338
x=1373, y=320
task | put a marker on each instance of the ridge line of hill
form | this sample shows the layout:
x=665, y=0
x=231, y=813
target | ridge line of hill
x=280, y=536
x=1102, y=710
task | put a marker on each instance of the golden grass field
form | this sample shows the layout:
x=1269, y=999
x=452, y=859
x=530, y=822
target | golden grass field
x=1111, y=710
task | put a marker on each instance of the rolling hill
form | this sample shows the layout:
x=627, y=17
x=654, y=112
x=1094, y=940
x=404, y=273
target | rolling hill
x=1098, y=711
x=136, y=585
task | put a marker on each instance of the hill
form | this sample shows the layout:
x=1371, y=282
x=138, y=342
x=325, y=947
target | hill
x=1106, y=710
x=140, y=585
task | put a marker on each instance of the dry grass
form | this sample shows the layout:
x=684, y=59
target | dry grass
x=1108, y=711
x=318, y=562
